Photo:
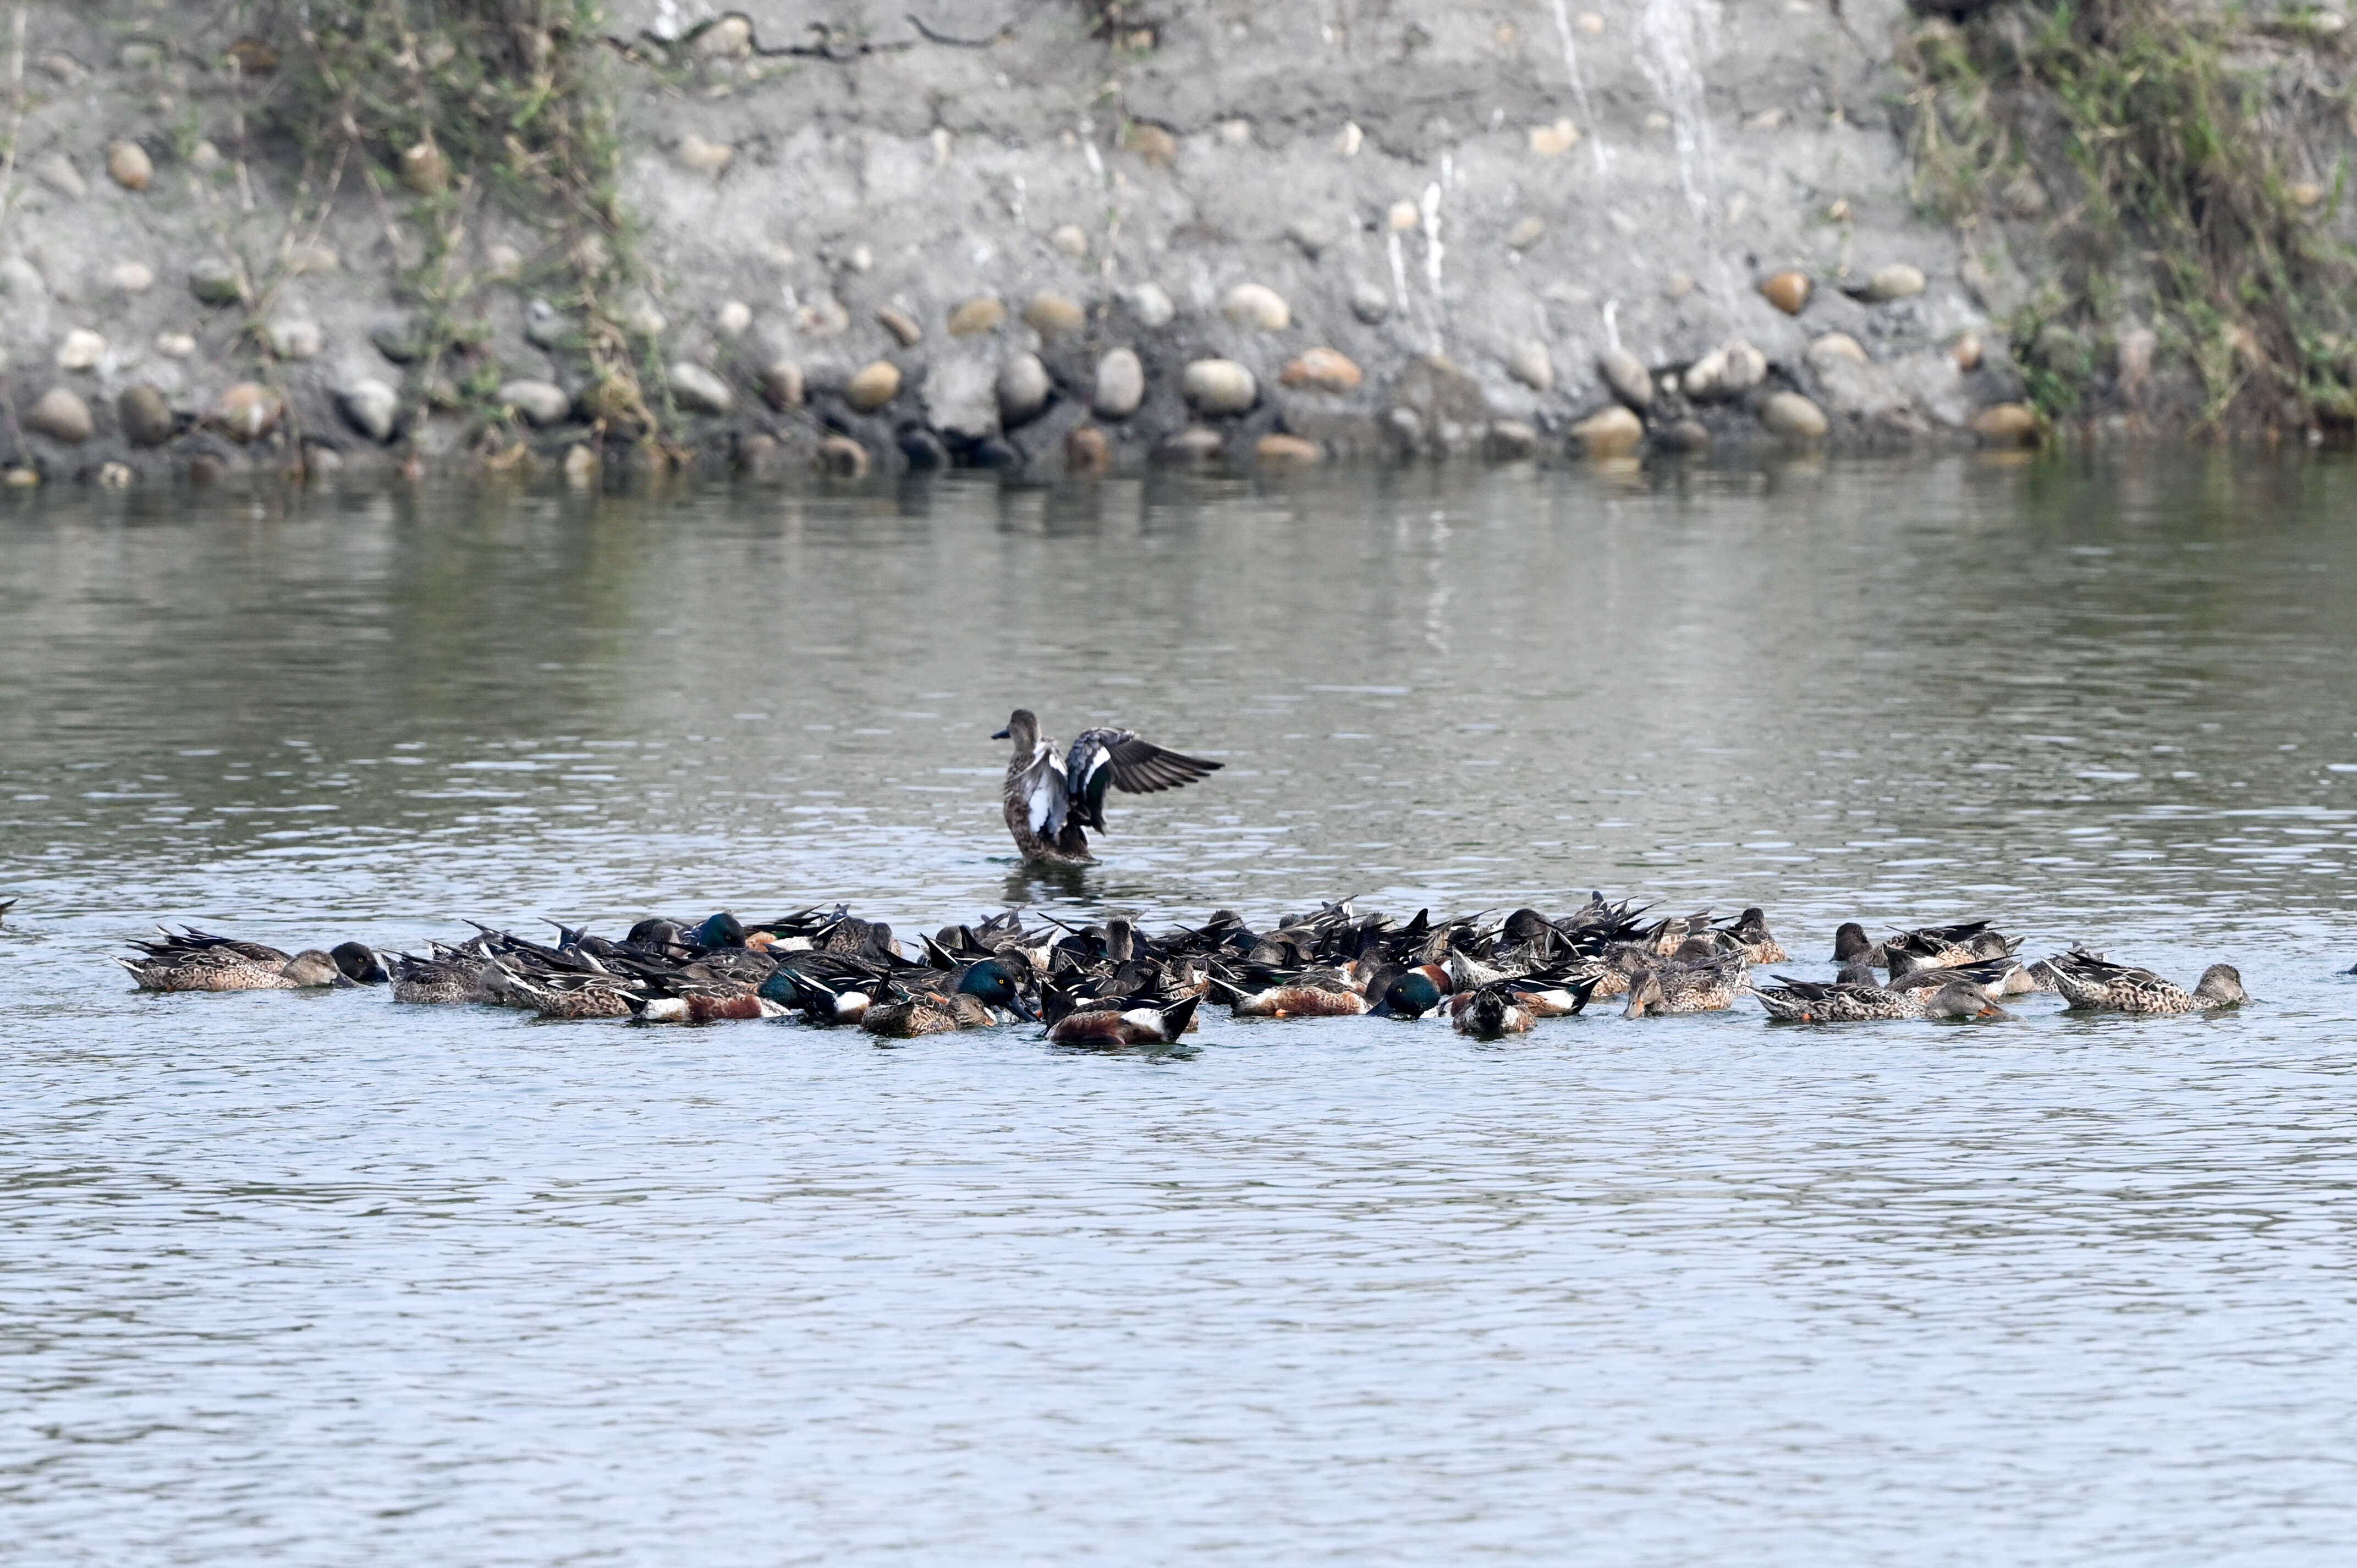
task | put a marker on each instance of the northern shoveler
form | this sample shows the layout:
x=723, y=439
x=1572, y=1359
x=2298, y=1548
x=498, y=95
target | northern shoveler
x=1708, y=987
x=2095, y=985
x=1131, y=1026
x=1815, y=1001
x=1050, y=797
x=194, y=961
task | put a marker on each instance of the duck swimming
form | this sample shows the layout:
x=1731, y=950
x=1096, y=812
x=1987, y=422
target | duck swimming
x=1852, y=1002
x=1050, y=797
x=2089, y=984
x=194, y=961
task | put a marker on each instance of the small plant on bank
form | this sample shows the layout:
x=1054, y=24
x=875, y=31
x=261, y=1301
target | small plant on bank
x=2157, y=171
x=444, y=106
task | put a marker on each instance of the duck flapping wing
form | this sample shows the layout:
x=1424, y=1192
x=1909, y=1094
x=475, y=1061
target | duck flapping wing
x=1123, y=759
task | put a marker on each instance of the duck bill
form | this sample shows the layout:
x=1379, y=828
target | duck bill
x=999, y=734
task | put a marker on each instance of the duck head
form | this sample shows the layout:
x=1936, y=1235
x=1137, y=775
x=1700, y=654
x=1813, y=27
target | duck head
x=1487, y=1014
x=359, y=964
x=1961, y=999
x=2222, y=986
x=990, y=983
x=312, y=967
x=1415, y=992
x=721, y=931
x=1644, y=990
x=1023, y=729
x=1856, y=974
x=1850, y=944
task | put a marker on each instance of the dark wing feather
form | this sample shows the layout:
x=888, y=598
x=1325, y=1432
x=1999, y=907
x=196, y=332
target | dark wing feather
x=1119, y=757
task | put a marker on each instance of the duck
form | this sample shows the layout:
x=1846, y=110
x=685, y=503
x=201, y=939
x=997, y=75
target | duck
x=445, y=977
x=1050, y=797
x=361, y=963
x=1493, y=1010
x=1139, y=1025
x=1320, y=993
x=195, y=960
x=1935, y=945
x=1851, y=1002
x=980, y=997
x=2090, y=983
x=1708, y=986
x=1751, y=937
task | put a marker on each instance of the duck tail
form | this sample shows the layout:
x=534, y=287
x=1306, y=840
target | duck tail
x=1177, y=1016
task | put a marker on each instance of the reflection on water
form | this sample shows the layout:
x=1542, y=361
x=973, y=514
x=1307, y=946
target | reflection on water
x=307, y=1278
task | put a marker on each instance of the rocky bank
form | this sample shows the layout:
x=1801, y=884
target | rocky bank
x=1034, y=234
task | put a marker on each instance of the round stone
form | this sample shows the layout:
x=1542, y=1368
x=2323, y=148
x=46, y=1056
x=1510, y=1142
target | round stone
x=1626, y=375
x=295, y=337
x=781, y=384
x=1151, y=303
x=580, y=464
x=1532, y=365
x=2007, y=424
x=1511, y=441
x=900, y=324
x=1287, y=450
x=1196, y=444
x=1553, y=141
x=1608, y=433
x=701, y=391
x=1071, y=240
x=1120, y=384
x=1896, y=281
x=641, y=318
x=1728, y=371
x=732, y=318
x=423, y=169
x=1833, y=348
x=842, y=457
x=1527, y=234
x=1793, y=417
x=977, y=316
x=872, y=386
x=1321, y=369
x=725, y=39
x=543, y=403
x=214, y=282
x=1403, y=216
x=502, y=264
x=1256, y=305
x=129, y=163
x=146, y=418
x=371, y=406
x=1788, y=290
x=1152, y=142
x=174, y=345
x=1086, y=451
x=1218, y=386
x=1023, y=389
x=82, y=350
x=132, y=277
x=60, y=415
x=247, y=411
x=697, y=156
x=1967, y=351
x=1051, y=315
x=1369, y=303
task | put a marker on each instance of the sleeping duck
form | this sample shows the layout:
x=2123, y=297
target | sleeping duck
x=1051, y=796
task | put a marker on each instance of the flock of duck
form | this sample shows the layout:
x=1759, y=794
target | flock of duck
x=1116, y=985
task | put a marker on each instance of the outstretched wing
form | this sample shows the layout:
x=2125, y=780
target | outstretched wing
x=1119, y=757
x=1041, y=786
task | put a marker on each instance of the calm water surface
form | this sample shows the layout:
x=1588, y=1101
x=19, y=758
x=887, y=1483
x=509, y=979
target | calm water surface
x=313, y=1280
